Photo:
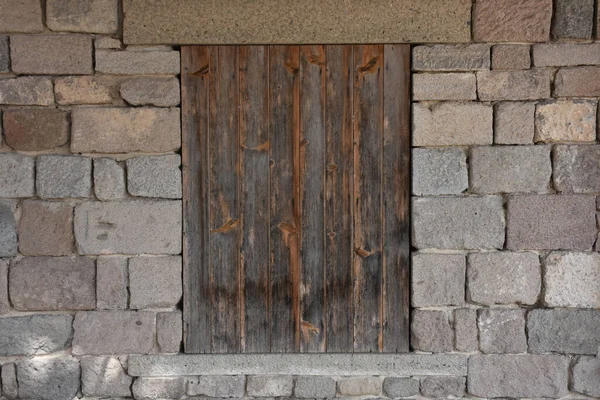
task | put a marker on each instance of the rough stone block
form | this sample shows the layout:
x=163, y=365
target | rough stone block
x=74, y=90
x=514, y=122
x=21, y=16
x=53, y=283
x=154, y=282
x=132, y=227
x=431, y=331
x=444, y=86
x=106, y=42
x=566, y=121
x=531, y=376
x=452, y=124
x=502, y=169
x=438, y=279
x=269, y=386
x=16, y=175
x=104, y=376
x=93, y=16
x=443, y=386
x=158, y=388
x=4, y=303
x=154, y=176
x=315, y=387
x=572, y=280
x=137, y=62
x=64, y=176
x=512, y=20
x=217, y=386
x=445, y=57
x=576, y=168
x=439, y=171
x=458, y=223
x=46, y=228
x=551, y=222
x=125, y=130
x=34, y=129
x=111, y=283
x=169, y=331
x=564, y=331
x=4, y=54
x=585, y=376
x=573, y=19
x=113, y=332
x=395, y=387
x=511, y=56
x=35, y=334
x=530, y=84
x=359, y=386
x=109, y=179
x=26, y=91
x=159, y=92
x=10, y=385
x=51, y=54
x=566, y=54
x=465, y=330
x=577, y=82
x=503, y=278
x=8, y=230
x=48, y=378
x=502, y=330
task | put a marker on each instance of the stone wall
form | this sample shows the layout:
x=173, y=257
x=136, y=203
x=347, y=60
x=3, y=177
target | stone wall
x=506, y=174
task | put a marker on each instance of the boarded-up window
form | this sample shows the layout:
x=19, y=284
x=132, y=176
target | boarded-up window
x=296, y=179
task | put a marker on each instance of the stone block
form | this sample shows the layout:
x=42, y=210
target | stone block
x=503, y=278
x=35, y=334
x=315, y=387
x=527, y=375
x=132, y=227
x=444, y=86
x=46, y=228
x=26, y=91
x=511, y=56
x=106, y=42
x=465, y=330
x=564, y=331
x=577, y=82
x=113, y=332
x=218, y=386
x=154, y=282
x=573, y=19
x=16, y=175
x=514, y=122
x=4, y=303
x=74, y=90
x=566, y=54
x=395, y=387
x=431, y=331
x=269, y=386
x=154, y=176
x=159, y=92
x=502, y=330
x=48, y=378
x=63, y=176
x=586, y=371
x=359, y=386
x=21, y=16
x=548, y=222
x=4, y=54
x=458, y=223
x=566, y=121
x=10, y=385
x=92, y=16
x=169, y=331
x=137, y=62
x=530, y=84
x=53, y=283
x=125, y=130
x=35, y=129
x=104, y=376
x=439, y=171
x=512, y=20
x=51, y=54
x=438, y=279
x=158, y=388
x=443, y=386
x=109, y=179
x=514, y=169
x=452, y=124
x=112, y=283
x=572, y=280
x=446, y=57
x=8, y=230
x=576, y=168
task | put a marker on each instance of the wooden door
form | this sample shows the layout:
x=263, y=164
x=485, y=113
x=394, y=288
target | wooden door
x=296, y=198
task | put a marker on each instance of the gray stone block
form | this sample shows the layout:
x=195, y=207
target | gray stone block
x=154, y=282
x=46, y=228
x=572, y=280
x=548, y=222
x=458, y=223
x=159, y=92
x=576, y=169
x=111, y=283
x=24, y=16
x=442, y=57
x=48, y=378
x=53, y=283
x=8, y=230
x=137, y=62
x=396, y=387
x=315, y=387
x=91, y=16
x=217, y=386
x=533, y=84
x=169, y=331
x=154, y=176
x=443, y=386
x=502, y=169
x=438, y=279
x=4, y=54
x=531, y=376
x=26, y=91
x=64, y=177
x=10, y=385
x=465, y=330
x=104, y=376
x=439, y=171
x=564, y=331
x=360, y=386
x=4, y=303
x=573, y=19
x=566, y=54
x=21, y=335
x=109, y=179
x=444, y=86
x=502, y=331
x=514, y=122
x=431, y=331
x=158, y=388
x=269, y=386
x=511, y=56
x=16, y=175
x=585, y=376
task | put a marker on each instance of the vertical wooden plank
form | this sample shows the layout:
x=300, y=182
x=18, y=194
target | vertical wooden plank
x=339, y=196
x=195, y=116
x=312, y=195
x=224, y=214
x=284, y=207
x=396, y=198
x=254, y=178
x=368, y=138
